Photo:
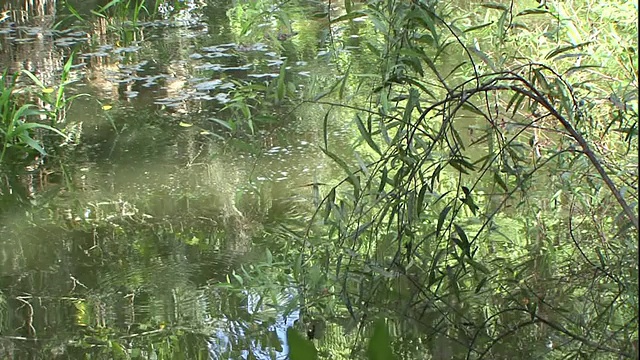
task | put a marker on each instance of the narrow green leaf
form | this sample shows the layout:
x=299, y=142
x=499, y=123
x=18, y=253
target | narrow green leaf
x=517, y=105
x=533, y=12
x=221, y=122
x=477, y=27
x=350, y=16
x=34, y=78
x=412, y=103
x=434, y=266
x=238, y=277
x=603, y=263
x=25, y=138
x=281, y=82
x=441, y=218
x=484, y=57
x=478, y=266
x=500, y=182
x=561, y=49
x=269, y=257
x=421, y=194
x=351, y=176
x=495, y=6
x=472, y=108
x=343, y=83
x=28, y=126
x=460, y=165
x=541, y=80
x=465, y=246
x=73, y=11
x=325, y=129
x=366, y=134
x=480, y=285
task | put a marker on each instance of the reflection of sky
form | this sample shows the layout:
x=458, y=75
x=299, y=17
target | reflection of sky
x=220, y=344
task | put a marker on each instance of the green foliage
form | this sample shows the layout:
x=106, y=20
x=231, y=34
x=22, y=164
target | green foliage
x=299, y=347
x=380, y=343
x=445, y=219
x=17, y=122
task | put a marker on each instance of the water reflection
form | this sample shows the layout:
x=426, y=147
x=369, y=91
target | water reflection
x=221, y=345
x=141, y=220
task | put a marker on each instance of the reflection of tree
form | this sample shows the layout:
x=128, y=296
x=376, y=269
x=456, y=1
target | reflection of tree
x=26, y=45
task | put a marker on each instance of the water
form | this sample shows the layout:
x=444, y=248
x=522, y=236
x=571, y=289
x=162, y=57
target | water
x=126, y=239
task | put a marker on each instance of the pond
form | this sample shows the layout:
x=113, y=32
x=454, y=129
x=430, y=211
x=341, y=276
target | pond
x=185, y=163
x=221, y=179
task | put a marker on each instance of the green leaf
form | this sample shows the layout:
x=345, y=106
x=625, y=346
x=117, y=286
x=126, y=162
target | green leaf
x=561, y=49
x=269, y=257
x=480, y=285
x=343, y=83
x=533, y=11
x=478, y=266
x=221, y=122
x=495, y=6
x=460, y=164
x=464, y=241
x=500, y=182
x=477, y=27
x=299, y=347
x=34, y=78
x=25, y=138
x=350, y=16
x=441, y=218
x=281, y=82
x=366, y=134
x=351, y=176
x=238, y=277
x=380, y=343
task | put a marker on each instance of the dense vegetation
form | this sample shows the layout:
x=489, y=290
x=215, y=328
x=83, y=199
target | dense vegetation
x=487, y=207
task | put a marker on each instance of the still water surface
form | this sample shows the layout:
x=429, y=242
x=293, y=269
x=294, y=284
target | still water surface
x=126, y=239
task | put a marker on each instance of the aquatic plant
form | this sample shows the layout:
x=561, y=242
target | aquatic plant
x=19, y=122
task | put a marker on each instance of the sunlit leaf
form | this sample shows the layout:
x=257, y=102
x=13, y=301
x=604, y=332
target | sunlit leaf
x=477, y=27
x=269, y=257
x=106, y=107
x=350, y=16
x=561, y=49
x=238, y=277
x=496, y=6
x=32, y=143
x=184, y=124
x=533, y=12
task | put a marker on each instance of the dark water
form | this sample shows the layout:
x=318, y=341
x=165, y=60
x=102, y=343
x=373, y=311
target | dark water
x=124, y=242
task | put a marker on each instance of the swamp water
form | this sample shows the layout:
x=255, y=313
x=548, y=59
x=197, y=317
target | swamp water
x=123, y=244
